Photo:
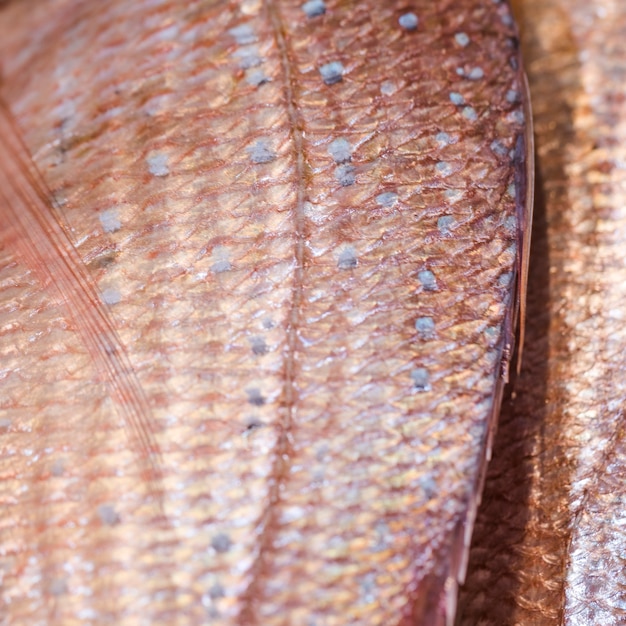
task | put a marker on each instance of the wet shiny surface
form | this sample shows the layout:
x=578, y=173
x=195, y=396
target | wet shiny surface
x=550, y=544
x=304, y=230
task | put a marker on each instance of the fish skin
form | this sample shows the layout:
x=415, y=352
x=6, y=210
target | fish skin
x=266, y=287
x=55, y=260
x=549, y=543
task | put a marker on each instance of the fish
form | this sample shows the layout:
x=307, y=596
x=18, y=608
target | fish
x=258, y=323
x=549, y=542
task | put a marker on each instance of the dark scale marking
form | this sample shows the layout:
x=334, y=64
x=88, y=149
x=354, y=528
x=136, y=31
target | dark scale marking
x=221, y=266
x=512, y=96
x=425, y=326
x=221, y=543
x=111, y=296
x=259, y=347
x=58, y=587
x=388, y=88
x=408, y=21
x=314, y=8
x=340, y=150
x=332, y=72
x=368, y=587
x=510, y=224
x=347, y=259
x=457, y=98
x=221, y=262
x=252, y=425
x=110, y=221
x=57, y=468
x=462, y=39
x=470, y=114
x=517, y=116
x=213, y=613
x=102, y=261
x=504, y=280
x=243, y=34
x=109, y=348
x=216, y=592
x=257, y=77
x=421, y=379
x=507, y=19
x=345, y=175
x=444, y=223
x=428, y=280
x=261, y=152
x=255, y=397
x=429, y=487
x=158, y=164
x=248, y=57
x=499, y=148
x=108, y=516
x=443, y=168
x=387, y=199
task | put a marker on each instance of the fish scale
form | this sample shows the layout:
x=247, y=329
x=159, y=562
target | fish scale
x=549, y=544
x=271, y=199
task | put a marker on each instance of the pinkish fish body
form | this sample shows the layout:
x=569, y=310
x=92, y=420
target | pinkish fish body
x=550, y=543
x=297, y=232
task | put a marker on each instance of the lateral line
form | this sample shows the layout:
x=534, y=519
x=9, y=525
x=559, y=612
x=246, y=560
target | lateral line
x=283, y=449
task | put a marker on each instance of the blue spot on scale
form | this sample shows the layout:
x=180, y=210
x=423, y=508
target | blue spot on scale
x=408, y=21
x=314, y=8
x=427, y=280
x=332, y=72
x=421, y=379
x=425, y=326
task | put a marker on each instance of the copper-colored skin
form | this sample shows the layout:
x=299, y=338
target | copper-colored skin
x=219, y=408
x=550, y=544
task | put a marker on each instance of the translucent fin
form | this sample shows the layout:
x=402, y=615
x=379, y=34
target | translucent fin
x=525, y=218
x=38, y=236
